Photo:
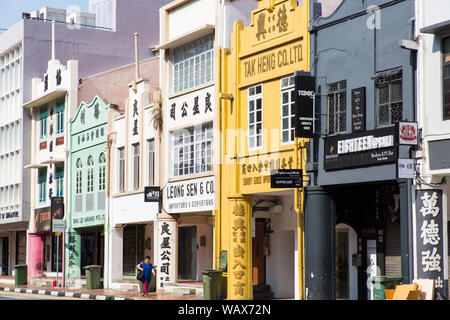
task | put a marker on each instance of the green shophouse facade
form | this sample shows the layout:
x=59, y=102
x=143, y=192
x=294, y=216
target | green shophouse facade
x=86, y=218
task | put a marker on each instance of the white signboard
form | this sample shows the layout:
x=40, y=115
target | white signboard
x=58, y=225
x=407, y=133
x=166, y=258
x=405, y=169
x=191, y=195
x=194, y=107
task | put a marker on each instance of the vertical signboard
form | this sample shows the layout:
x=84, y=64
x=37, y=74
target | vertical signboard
x=359, y=109
x=57, y=214
x=429, y=239
x=167, y=233
x=304, y=106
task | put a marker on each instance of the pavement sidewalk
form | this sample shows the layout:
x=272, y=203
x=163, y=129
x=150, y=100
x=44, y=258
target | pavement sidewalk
x=95, y=294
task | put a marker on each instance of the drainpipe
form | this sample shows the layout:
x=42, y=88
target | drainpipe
x=107, y=274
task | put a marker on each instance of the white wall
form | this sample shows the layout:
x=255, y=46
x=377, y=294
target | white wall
x=282, y=263
x=193, y=15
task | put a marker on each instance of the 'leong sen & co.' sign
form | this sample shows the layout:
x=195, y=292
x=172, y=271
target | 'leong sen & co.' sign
x=192, y=195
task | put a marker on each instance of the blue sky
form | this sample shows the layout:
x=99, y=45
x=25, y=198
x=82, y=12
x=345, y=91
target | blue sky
x=11, y=10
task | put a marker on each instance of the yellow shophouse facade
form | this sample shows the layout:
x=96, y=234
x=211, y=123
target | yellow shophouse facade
x=261, y=227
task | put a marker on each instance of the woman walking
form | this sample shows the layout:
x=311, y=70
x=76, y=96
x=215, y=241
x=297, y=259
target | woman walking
x=147, y=268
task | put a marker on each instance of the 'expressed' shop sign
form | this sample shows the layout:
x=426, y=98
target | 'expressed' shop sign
x=190, y=195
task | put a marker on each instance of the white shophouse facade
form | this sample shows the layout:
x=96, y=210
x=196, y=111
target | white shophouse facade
x=190, y=33
x=433, y=156
x=53, y=103
x=133, y=159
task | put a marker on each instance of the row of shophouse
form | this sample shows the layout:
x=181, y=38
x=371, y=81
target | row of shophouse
x=164, y=126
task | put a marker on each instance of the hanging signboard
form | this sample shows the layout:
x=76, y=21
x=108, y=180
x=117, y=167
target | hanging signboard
x=405, y=169
x=304, y=105
x=430, y=240
x=152, y=194
x=407, y=133
x=57, y=214
x=288, y=178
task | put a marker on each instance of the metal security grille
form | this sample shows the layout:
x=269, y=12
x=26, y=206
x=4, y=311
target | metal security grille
x=392, y=253
x=337, y=107
x=390, y=99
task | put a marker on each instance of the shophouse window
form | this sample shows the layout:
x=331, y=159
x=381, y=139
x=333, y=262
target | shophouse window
x=287, y=109
x=79, y=177
x=337, y=107
x=151, y=161
x=121, y=152
x=446, y=80
x=60, y=118
x=255, y=116
x=192, y=150
x=90, y=174
x=389, y=109
x=193, y=64
x=59, y=179
x=43, y=114
x=102, y=172
x=136, y=155
x=42, y=185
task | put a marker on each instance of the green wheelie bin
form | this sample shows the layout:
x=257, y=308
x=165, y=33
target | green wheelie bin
x=93, y=276
x=383, y=282
x=20, y=274
x=212, y=284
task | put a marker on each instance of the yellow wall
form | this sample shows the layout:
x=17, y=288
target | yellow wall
x=260, y=53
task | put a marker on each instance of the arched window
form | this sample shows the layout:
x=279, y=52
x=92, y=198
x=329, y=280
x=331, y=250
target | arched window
x=79, y=177
x=102, y=172
x=90, y=174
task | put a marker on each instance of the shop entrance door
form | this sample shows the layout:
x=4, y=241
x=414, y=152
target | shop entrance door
x=187, y=253
x=346, y=263
x=258, y=257
x=4, y=256
x=133, y=248
x=87, y=251
x=371, y=260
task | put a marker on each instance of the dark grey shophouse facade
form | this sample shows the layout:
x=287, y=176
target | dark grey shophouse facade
x=357, y=210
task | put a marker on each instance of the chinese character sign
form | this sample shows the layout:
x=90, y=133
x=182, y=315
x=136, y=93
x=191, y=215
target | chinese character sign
x=240, y=272
x=429, y=239
x=166, y=256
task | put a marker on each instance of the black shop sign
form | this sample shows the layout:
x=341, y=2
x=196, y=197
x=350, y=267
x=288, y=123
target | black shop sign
x=286, y=178
x=304, y=105
x=359, y=109
x=152, y=194
x=430, y=240
x=360, y=149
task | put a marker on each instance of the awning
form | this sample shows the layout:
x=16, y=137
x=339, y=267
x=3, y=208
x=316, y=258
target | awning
x=187, y=37
x=387, y=73
x=35, y=166
x=440, y=29
x=51, y=96
x=52, y=160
